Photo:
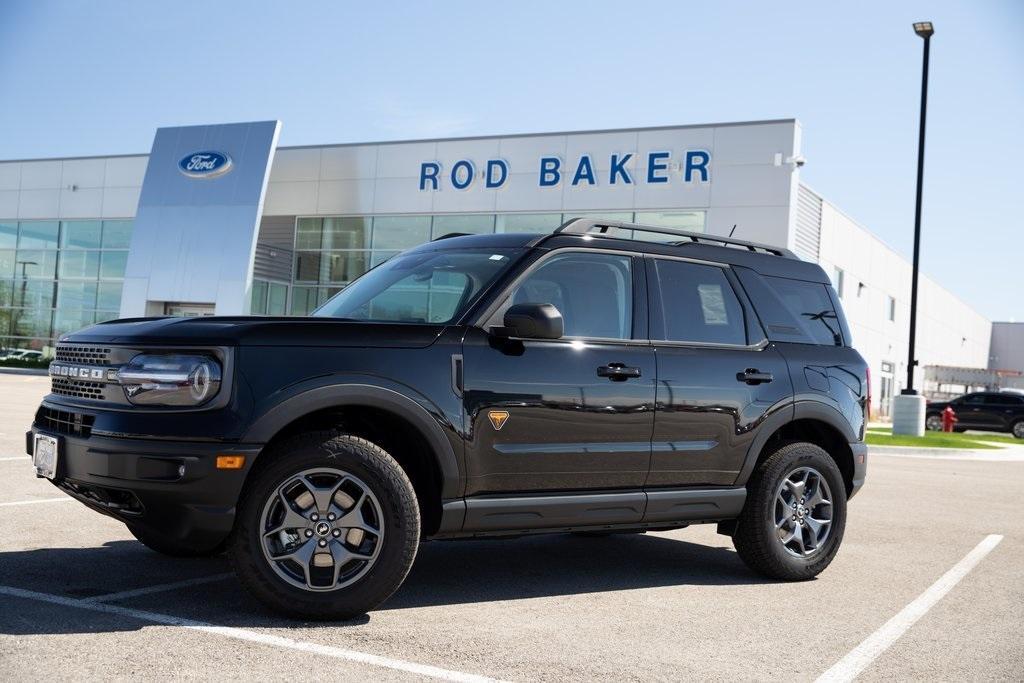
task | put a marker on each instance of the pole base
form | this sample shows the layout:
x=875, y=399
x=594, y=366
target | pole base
x=908, y=414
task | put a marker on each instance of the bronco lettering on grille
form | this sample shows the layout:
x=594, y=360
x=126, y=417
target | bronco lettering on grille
x=71, y=371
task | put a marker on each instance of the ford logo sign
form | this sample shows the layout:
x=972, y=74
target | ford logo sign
x=205, y=164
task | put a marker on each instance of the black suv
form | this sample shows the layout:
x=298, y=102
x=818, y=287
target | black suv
x=987, y=411
x=589, y=380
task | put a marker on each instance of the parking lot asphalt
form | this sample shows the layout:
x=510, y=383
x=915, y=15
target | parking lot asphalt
x=80, y=598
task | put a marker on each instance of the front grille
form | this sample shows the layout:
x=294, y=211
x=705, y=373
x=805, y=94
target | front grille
x=77, y=388
x=82, y=355
x=64, y=422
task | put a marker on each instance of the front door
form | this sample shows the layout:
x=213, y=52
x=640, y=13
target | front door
x=972, y=412
x=556, y=415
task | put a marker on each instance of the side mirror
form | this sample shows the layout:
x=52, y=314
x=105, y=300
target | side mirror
x=533, y=321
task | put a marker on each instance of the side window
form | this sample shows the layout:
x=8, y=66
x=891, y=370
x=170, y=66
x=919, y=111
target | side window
x=593, y=292
x=1001, y=399
x=698, y=304
x=974, y=399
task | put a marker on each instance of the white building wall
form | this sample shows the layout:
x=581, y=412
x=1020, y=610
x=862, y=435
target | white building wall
x=1007, y=352
x=949, y=332
x=92, y=187
x=752, y=180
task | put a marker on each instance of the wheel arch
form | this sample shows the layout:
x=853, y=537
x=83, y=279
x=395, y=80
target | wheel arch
x=399, y=424
x=809, y=421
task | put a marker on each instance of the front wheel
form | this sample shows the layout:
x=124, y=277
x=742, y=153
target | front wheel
x=933, y=423
x=1017, y=429
x=328, y=529
x=793, y=520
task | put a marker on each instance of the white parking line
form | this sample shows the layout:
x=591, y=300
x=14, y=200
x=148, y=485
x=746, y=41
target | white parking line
x=860, y=657
x=23, y=458
x=65, y=499
x=250, y=636
x=124, y=595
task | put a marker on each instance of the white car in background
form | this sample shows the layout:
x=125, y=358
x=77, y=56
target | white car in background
x=22, y=354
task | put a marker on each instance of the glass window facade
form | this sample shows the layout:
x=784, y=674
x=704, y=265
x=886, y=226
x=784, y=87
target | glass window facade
x=331, y=251
x=59, y=276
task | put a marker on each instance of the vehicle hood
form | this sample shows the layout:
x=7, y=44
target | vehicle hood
x=256, y=331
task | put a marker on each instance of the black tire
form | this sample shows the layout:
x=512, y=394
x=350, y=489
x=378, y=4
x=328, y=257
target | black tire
x=1016, y=429
x=756, y=539
x=171, y=547
x=384, y=477
x=933, y=422
x=959, y=430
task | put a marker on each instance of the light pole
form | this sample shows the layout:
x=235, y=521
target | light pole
x=908, y=411
x=925, y=30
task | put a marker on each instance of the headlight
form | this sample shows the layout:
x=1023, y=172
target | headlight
x=170, y=379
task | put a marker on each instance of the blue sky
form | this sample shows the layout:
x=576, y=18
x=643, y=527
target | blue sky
x=80, y=78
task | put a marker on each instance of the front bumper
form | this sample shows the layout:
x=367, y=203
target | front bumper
x=860, y=466
x=170, y=488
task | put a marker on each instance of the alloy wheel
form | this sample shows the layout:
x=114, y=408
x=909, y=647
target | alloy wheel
x=803, y=512
x=933, y=423
x=322, y=529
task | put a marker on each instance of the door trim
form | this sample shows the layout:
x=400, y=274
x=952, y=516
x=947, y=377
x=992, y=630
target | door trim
x=566, y=511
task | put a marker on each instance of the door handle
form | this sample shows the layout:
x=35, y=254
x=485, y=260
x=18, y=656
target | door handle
x=618, y=372
x=754, y=376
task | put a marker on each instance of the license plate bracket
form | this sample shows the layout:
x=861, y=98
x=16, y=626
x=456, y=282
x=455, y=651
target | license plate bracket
x=46, y=455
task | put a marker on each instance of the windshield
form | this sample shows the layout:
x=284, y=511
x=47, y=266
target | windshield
x=424, y=287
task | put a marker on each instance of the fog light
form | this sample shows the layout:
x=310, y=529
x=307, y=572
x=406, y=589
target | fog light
x=230, y=462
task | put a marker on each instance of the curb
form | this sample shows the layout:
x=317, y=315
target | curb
x=914, y=450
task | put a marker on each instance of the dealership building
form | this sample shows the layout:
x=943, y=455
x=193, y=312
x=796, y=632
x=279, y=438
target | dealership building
x=220, y=220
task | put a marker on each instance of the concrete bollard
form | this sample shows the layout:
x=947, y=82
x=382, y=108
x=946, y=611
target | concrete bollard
x=908, y=414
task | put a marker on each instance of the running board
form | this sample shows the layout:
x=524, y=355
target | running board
x=659, y=507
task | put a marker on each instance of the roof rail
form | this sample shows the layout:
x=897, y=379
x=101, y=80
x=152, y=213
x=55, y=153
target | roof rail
x=583, y=226
x=450, y=235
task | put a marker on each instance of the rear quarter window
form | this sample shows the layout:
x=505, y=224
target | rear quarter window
x=810, y=304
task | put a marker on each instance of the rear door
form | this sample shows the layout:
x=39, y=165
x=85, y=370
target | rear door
x=568, y=414
x=718, y=378
x=1000, y=409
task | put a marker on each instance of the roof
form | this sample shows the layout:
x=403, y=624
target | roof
x=764, y=259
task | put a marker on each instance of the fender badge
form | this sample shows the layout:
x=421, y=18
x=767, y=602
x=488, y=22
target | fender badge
x=498, y=418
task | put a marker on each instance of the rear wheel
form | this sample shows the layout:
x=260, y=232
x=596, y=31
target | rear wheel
x=933, y=423
x=793, y=521
x=328, y=529
x=1017, y=429
x=172, y=547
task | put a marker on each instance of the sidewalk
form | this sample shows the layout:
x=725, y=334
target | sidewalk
x=1005, y=453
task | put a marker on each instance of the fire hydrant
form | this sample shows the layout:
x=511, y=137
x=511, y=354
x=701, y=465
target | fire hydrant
x=948, y=419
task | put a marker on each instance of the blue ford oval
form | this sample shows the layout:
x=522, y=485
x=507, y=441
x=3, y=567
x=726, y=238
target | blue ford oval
x=205, y=164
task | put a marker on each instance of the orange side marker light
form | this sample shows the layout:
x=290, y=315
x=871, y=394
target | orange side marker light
x=230, y=462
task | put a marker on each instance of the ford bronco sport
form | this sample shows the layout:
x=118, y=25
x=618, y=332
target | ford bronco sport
x=589, y=381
